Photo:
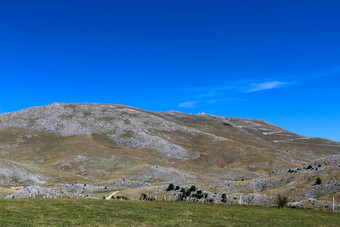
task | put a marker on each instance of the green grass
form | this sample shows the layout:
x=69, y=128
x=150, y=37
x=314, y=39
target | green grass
x=70, y=212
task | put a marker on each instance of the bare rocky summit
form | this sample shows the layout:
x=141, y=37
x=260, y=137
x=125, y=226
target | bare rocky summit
x=96, y=144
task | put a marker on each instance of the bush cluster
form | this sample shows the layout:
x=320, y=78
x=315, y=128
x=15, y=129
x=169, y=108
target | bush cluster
x=120, y=197
x=145, y=197
x=191, y=192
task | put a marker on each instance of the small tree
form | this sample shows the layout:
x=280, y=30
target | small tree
x=224, y=198
x=170, y=187
x=281, y=201
x=177, y=188
x=193, y=188
x=199, y=194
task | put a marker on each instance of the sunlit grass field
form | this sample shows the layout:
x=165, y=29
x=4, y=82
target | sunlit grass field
x=72, y=212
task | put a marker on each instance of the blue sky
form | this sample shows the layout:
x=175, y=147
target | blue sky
x=278, y=61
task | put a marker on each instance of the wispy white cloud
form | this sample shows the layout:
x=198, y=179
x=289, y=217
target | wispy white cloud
x=265, y=86
x=215, y=101
x=332, y=71
x=212, y=94
x=212, y=101
x=237, y=87
x=248, y=85
x=218, y=93
x=187, y=104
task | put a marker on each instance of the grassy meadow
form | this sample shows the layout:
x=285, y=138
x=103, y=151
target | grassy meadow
x=71, y=212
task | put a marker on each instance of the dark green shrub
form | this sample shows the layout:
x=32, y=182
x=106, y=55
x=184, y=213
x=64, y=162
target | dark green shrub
x=192, y=188
x=281, y=201
x=122, y=197
x=318, y=181
x=177, y=188
x=198, y=195
x=224, y=198
x=170, y=187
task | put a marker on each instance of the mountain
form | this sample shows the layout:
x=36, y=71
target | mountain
x=100, y=144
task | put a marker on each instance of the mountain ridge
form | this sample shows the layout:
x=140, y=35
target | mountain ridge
x=160, y=112
x=104, y=143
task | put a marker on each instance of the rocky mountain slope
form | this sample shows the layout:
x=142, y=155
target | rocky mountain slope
x=99, y=144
